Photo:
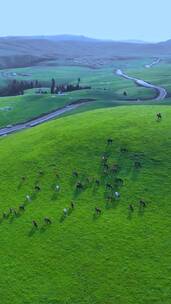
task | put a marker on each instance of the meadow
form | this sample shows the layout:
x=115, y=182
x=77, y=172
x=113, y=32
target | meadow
x=116, y=257
x=119, y=256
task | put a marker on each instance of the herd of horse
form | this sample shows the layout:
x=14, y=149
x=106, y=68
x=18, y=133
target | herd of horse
x=113, y=193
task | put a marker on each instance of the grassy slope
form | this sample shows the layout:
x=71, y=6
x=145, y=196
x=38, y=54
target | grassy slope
x=27, y=107
x=116, y=258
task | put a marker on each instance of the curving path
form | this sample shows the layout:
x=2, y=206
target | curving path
x=37, y=121
x=156, y=61
x=161, y=92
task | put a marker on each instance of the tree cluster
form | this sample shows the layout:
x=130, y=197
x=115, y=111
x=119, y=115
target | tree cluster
x=55, y=89
x=16, y=87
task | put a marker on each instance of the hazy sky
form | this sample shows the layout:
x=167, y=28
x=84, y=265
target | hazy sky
x=109, y=19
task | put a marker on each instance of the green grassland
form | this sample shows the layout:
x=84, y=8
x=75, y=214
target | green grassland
x=107, y=90
x=24, y=108
x=118, y=257
x=65, y=74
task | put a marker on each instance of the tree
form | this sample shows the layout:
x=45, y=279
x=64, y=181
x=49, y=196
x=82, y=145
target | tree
x=36, y=84
x=31, y=84
x=53, y=86
x=78, y=82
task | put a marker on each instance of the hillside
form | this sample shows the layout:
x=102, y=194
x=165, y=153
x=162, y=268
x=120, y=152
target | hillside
x=120, y=256
x=27, y=51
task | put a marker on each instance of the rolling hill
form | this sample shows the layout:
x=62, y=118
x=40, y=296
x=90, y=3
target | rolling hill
x=27, y=51
x=120, y=256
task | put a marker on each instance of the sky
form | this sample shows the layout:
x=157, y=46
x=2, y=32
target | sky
x=147, y=20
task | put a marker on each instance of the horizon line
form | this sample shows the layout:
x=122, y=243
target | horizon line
x=132, y=40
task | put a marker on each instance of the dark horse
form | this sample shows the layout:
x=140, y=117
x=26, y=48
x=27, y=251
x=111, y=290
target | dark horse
x=35, y=224
x=131, y=208
x=37, y=188
x=97, y=182
x=75, y=173
x=137, y=164
x=142, y=203
x=79, y=186
x=22, y=207
x=159, y=116
x=98, y=210
x=109, y=186
x=109, y=141
x=47, y=221
x=124, y=150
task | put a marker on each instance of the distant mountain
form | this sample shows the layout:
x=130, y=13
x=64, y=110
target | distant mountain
x=64, y=37
x=167, y=42
x=135, y=41
x=74, y=50
x=70, y=38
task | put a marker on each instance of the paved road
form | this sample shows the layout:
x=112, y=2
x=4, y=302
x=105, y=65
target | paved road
x=38, y=121
x=161, y=92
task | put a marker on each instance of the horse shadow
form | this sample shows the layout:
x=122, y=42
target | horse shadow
x=54, y=196
x=141, y=211
x=14, y=217
x=130, y=215
x=32, y=231
x=112, y=204
x=70, y=211
x=77, y=192
x=33, y=196
x=44, y=228
x=20, y=185
x=95, y=188
x=96, y=216
x=73, y=181
x=62, y=218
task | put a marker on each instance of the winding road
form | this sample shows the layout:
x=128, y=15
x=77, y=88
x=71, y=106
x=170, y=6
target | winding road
x=37, y=121
x=157, y=61
x=161, y=92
